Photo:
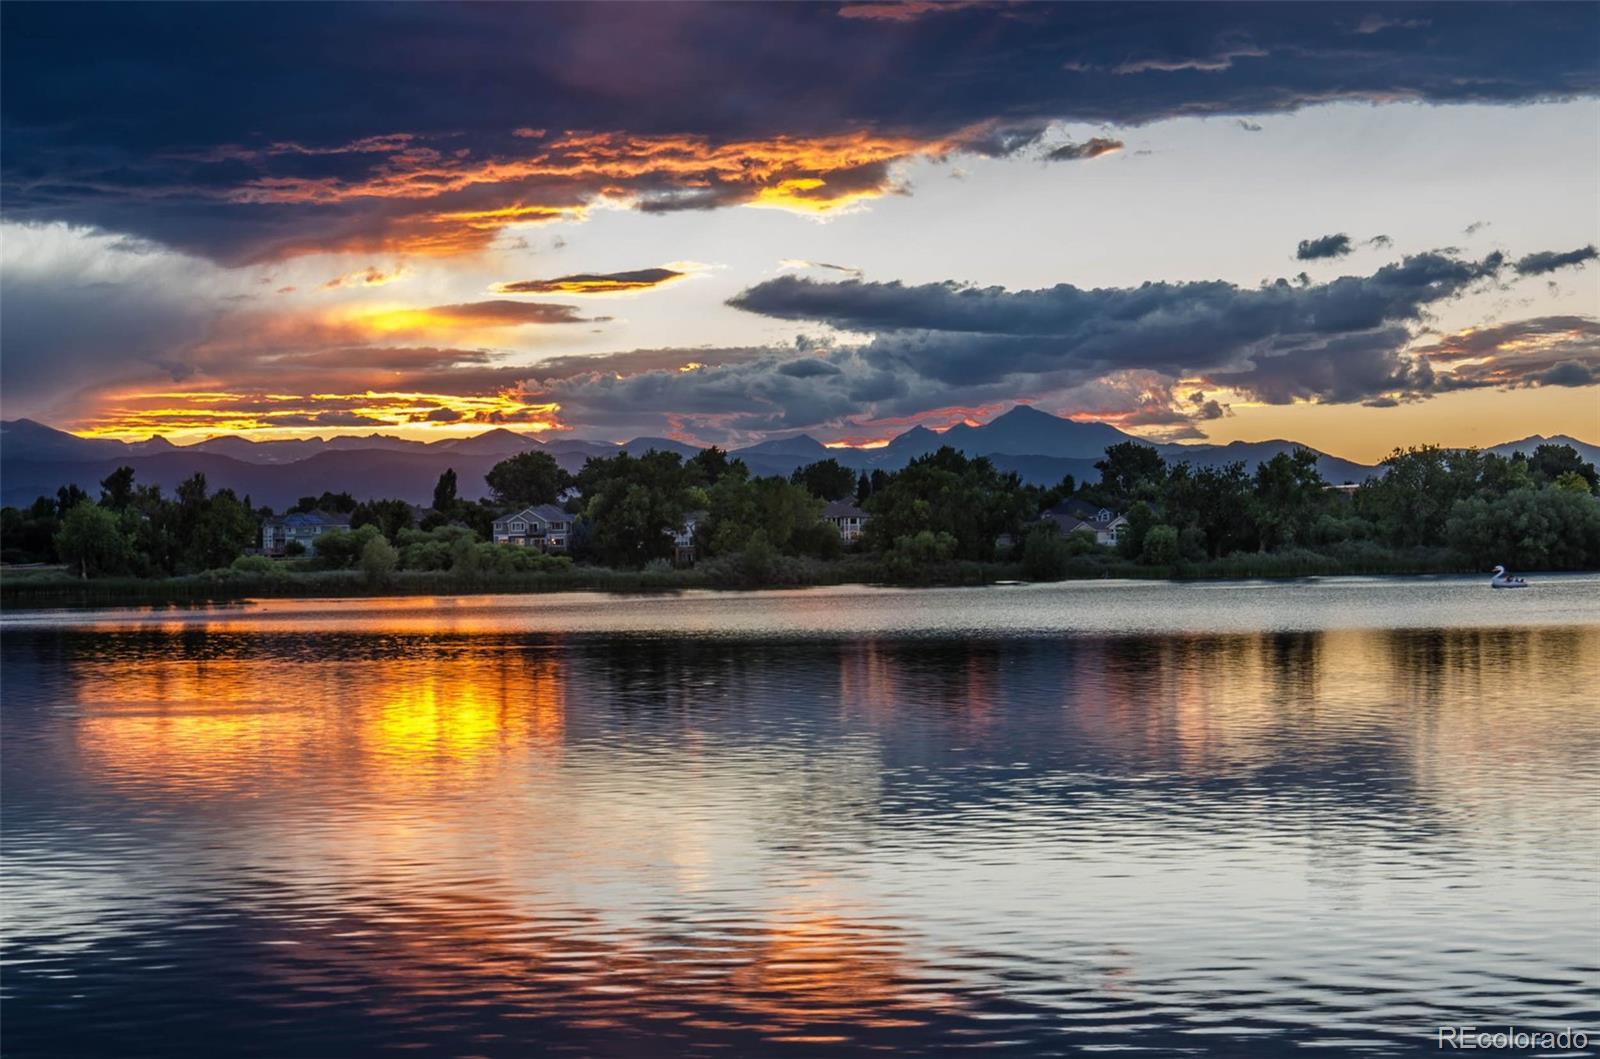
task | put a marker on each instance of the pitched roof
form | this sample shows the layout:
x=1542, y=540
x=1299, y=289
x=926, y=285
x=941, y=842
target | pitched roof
x=548, y=513
x=314, y=518
x=1069, y=523
x=843, y=509
x=537, y=513
x=1080, y=509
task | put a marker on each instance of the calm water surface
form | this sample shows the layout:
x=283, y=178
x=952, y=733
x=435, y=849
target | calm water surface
x=1317, y=818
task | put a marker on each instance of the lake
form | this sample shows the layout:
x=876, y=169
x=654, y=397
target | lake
x=1320, y=817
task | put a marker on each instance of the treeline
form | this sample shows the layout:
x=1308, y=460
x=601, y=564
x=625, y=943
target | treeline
x=1459, y=505
x=1431, y=507
x=133, y=529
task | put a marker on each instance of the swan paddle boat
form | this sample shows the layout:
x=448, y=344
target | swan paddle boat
x=1501, y=579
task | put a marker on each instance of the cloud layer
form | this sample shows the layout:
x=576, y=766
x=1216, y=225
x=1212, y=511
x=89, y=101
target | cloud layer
x=593, y=282
x=213, y=131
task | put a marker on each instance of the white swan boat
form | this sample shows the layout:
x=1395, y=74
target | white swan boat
x=1501, y=579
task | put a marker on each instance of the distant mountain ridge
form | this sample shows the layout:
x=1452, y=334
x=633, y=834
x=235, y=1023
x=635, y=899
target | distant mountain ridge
x=35, y=459
x=1590, y=453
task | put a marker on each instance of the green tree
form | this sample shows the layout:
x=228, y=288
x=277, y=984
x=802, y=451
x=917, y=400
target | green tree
x=1049, y=498
x=204, y=531
x=68, y=497
x=1214, y=501
x=1549, y=462
x=826, y=479
x=390, y=516
x=1160, y=546
x=254, y=565
x=709, y=466
x=227, y=527
x=947, y=493
x=1532, y=529
x=341, y=549
x=116, y=489
x=785, y=514
x=444, y=492
x=1288, y=495
x=28, y=535
x=466, y=561
x=1127, y=464
x=1045, y=556
x=634, y=505
x=912, y=557
x=378, y=561
x=1141, y=517
x=430, y=549
x=526, y=479
x=333, y=503
x=1410, y=502
x=1573, y=482
x=1498, y=475
x=91, y=541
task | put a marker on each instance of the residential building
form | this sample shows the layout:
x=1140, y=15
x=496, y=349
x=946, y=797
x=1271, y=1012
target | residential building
x=683, y=549
x=299, y=527
x=1076, y=516
x=847, y=518
x=543, y=526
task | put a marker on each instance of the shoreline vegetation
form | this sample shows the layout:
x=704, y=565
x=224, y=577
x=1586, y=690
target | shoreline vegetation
x=662, y=523
x=55, y=588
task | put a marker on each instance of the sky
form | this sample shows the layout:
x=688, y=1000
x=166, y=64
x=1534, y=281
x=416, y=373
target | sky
x=1358, y=226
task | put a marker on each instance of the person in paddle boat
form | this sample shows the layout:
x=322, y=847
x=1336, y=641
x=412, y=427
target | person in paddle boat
x=1502, y=579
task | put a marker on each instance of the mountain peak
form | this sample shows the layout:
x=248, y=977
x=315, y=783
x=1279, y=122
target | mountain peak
x=1023, y=413
x=794, y=445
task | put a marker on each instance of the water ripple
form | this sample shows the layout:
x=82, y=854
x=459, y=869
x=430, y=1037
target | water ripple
x=458, y=830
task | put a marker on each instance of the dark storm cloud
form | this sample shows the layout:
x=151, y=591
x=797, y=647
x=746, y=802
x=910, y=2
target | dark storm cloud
x=1326, y=246
x=808, y=369
x=1548, y=260
x=1343, y=340
x=1569, y=373
x=241, y=132
x=1092, y=148
x=1156, y=315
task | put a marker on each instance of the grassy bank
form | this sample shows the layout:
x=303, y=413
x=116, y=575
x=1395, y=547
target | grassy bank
x=57, y=588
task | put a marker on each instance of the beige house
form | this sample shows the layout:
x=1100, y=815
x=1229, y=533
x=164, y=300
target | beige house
x=543, y=526
x=1076, y=516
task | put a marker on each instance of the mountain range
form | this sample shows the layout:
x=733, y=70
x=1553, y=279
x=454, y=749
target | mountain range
x=35, y=459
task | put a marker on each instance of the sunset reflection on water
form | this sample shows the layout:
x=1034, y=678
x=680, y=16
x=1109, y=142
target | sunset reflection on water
x=453, y=837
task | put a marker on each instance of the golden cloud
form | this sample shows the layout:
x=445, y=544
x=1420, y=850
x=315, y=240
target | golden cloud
x=420, y=200
x=184, y=414
x=593, y=282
